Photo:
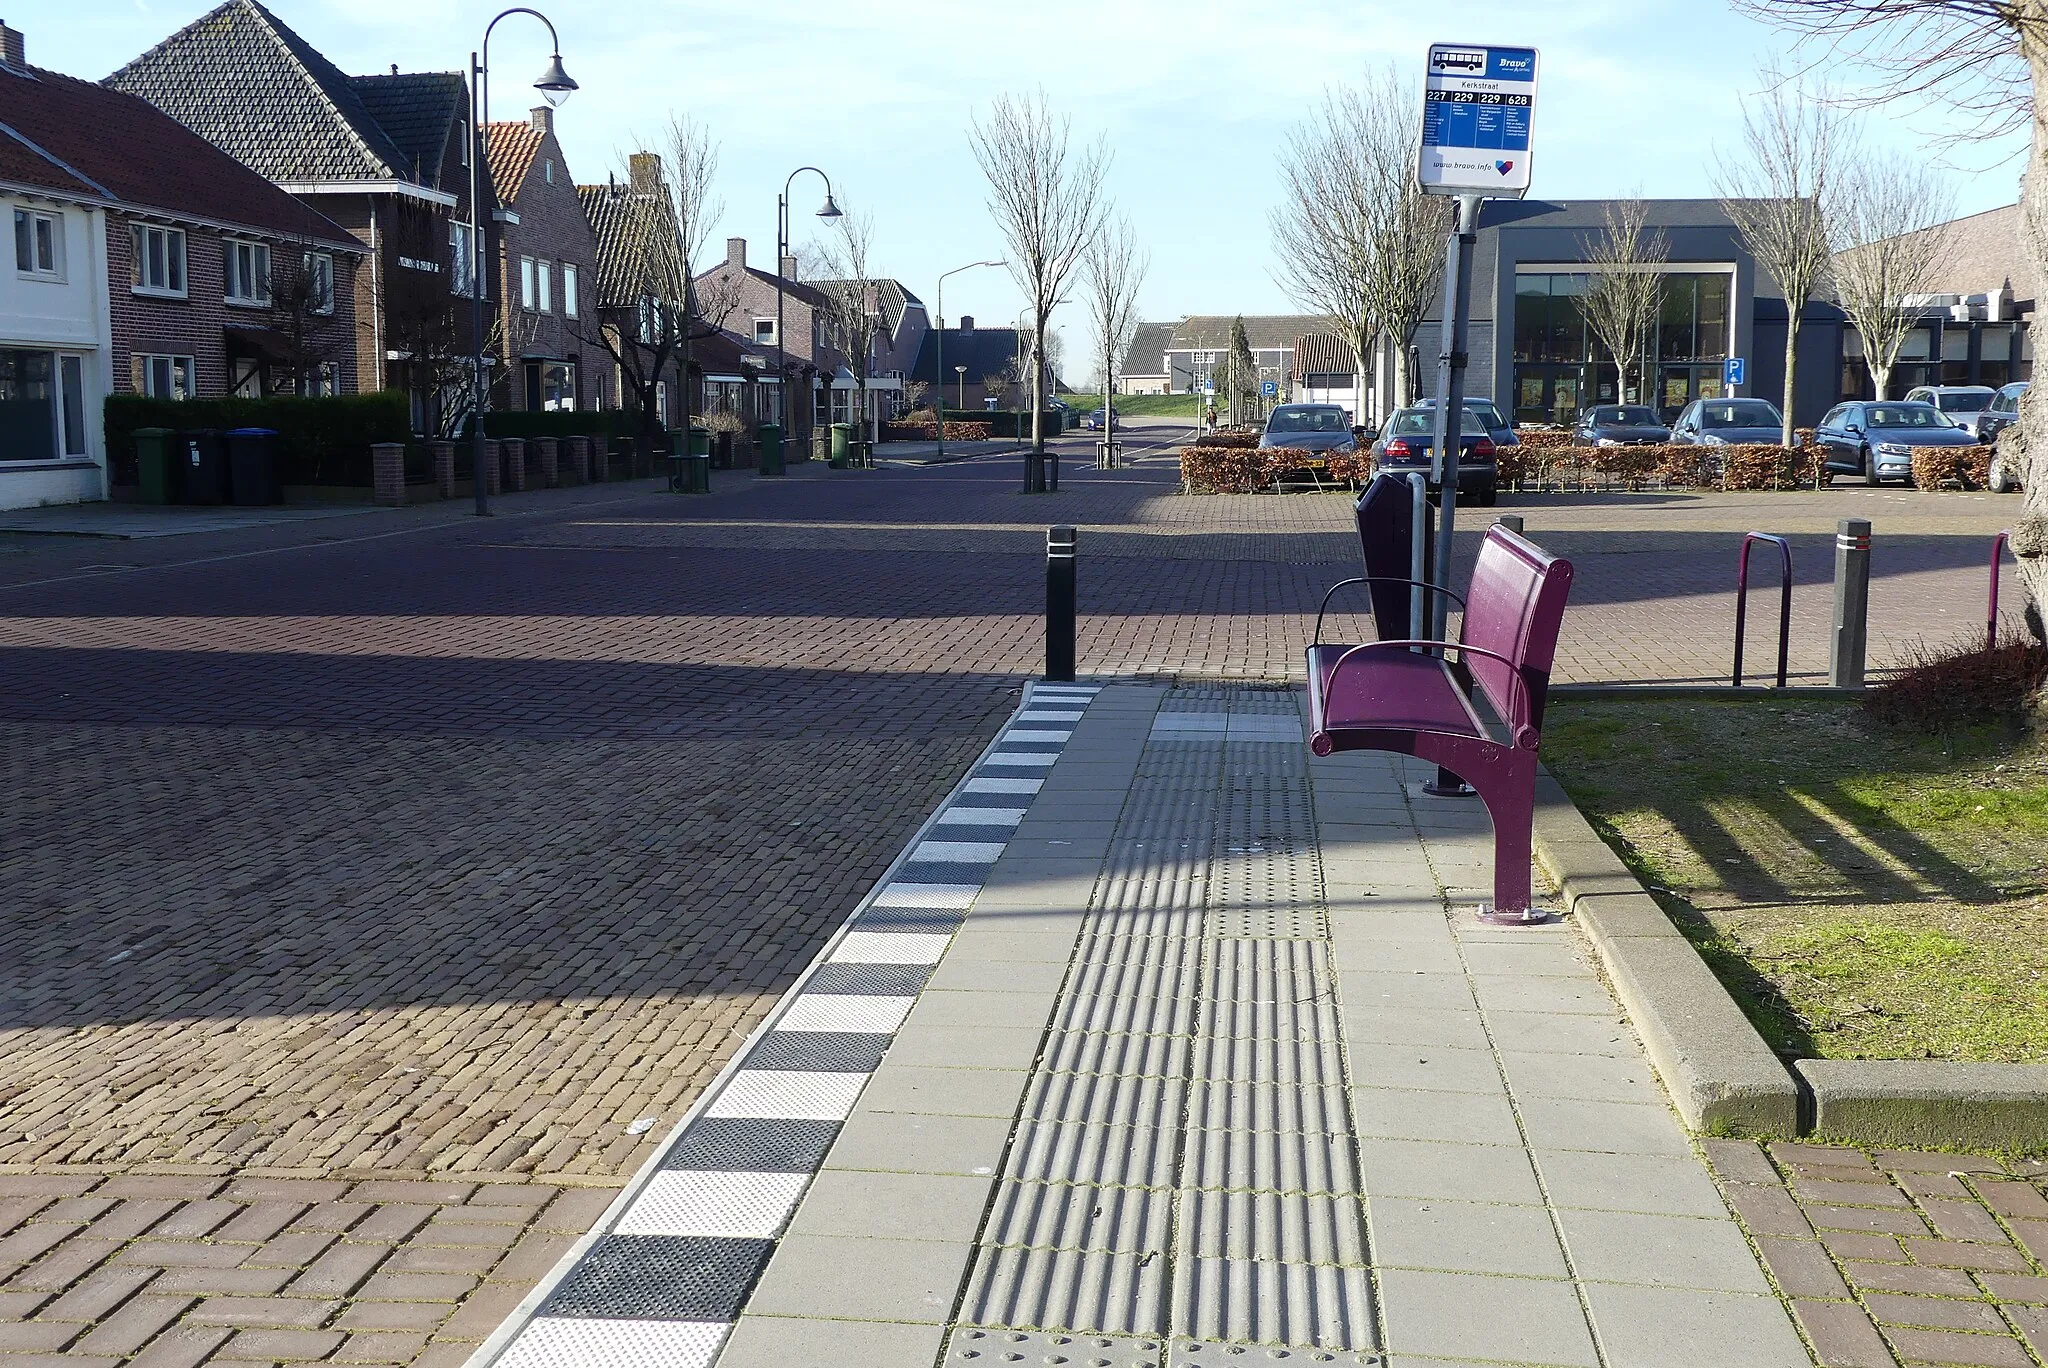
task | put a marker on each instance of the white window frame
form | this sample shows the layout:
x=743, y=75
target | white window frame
x=460, y=262
x=161, y=371
x=53, y=223
x=320, y=267
x=570, y=280
x=544, y=279
x=764, y=332
x=245, y=272
x=175, y=260
x=526, y=282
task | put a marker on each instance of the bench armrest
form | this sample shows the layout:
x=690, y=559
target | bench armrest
x=1525, y=736
x=1377, y=579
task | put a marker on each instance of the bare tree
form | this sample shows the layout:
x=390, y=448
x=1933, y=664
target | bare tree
x=1893, y=240
x=1988, y=57
x=1621, y=299
x=649, y=311
x=1322, y=231
x=1111, y=273
x=1046, y=198
x=853, y=303
x=1778, y=189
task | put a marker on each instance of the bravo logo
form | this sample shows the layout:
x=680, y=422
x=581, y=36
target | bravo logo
x=1518, y=65
x=1503, y=167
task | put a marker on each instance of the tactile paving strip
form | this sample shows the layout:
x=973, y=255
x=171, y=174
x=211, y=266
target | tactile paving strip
x=979, y=1347
x=562, y=1342
x=1202, y=973
x=753, y=1143
x=819, y=1051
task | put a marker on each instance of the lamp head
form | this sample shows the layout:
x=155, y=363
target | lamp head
x=831, y=209
x=555, y=84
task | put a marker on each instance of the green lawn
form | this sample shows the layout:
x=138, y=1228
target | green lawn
x=1140, y=405
x=1865, y=893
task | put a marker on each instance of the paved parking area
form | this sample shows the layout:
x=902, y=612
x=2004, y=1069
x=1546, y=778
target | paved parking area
x=408, y=848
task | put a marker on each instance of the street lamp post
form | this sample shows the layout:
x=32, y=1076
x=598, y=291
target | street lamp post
x=939, y=355
x=555, y=87
x=830, y=211
x=959, y=374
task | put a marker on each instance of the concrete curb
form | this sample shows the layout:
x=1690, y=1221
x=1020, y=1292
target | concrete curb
x=1748, y=693
x=1929, y=1102
x=1718, y=1070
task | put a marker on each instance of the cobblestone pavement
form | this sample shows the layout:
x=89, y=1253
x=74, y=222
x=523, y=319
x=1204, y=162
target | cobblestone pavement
x=409, y=847
x=1899, y=1256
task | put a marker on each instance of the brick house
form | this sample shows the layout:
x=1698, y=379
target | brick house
x=979, y=363
x=147, y=261
x=387, y=157
x=899, y=324
x=547, y=266
x=747, y=295
x=633, y=357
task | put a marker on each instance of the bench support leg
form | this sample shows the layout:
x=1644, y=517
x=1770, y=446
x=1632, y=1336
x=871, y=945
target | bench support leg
x=1506, y=782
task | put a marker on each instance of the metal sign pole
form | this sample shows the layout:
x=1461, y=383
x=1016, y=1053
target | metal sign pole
x=1450, y=394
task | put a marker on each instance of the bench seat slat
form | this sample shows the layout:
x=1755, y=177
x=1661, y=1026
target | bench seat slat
x=1393, y=689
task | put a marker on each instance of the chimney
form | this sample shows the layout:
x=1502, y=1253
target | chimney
x=789, y=268
x=736, y=254
x=966, y=324
x=12, y=51
x=644, y=170
x=543, y=119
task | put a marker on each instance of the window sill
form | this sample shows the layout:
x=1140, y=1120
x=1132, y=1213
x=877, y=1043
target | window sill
x=147, y=293
x=40, y=277
x=67, y=463
x=234, y=303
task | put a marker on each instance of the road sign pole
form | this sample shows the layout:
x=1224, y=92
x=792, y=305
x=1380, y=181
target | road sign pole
x=1450, y=393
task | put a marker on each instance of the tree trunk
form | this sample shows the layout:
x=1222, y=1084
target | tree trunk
x=2030, y=535
x=1034, y=463
x=1880, y=380
x=1794, y=309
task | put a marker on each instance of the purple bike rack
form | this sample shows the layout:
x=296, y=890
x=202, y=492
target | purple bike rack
x=1998, y=545
x=1784, y=602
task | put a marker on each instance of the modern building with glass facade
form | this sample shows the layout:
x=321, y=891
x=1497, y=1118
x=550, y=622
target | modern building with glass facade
x=1532, y=352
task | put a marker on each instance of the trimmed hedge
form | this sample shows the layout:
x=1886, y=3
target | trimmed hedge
x=1671, y=467
x=929, y=432
x=320, y=441
x=1208, y=468
x=1004, y=422
x=1966, y=466
x=1239, y=438
x=569, y=423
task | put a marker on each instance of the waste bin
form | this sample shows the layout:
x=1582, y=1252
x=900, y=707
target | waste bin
x=252, y=466
x=689, y=472
x=156, y=468
x=700, y=441
x=1385, y=513
x=842, y=439
x=202, y=467
x=770, y=436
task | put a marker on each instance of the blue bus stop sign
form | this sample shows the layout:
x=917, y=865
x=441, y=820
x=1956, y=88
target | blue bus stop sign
x=1732, y=371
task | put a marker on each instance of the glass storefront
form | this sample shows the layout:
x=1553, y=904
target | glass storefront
x=1561, y=366
x=1974, y=353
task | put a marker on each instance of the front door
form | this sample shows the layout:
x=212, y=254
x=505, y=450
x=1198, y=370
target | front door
x=533, y=387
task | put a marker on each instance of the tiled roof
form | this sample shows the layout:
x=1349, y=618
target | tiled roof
x=636, y=240
x=1267, y=332
x=509, y=149
x=890, y=294
x=132, y=154
x=241, y=79
x=1147, y=353
x=795, y=289
x=983, y=351
x=417, y=110
x=1323, y=353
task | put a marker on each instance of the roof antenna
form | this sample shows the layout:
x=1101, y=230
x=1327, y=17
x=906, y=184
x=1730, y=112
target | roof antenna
x=394, y=68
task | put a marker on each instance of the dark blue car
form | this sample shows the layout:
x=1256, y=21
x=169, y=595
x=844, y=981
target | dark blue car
x=1405, y=444
x=1875, y=438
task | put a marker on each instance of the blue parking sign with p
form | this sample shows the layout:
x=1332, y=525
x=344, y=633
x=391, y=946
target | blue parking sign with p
x=1269, y=386
x=1732, y=371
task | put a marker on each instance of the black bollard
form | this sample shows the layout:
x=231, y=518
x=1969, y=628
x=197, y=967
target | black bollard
x=1059, y=603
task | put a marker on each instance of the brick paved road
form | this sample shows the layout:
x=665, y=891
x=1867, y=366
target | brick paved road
x=411, y=848
x=1899, y=1256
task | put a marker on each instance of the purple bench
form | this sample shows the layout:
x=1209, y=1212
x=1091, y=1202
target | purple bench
x=1385, y=696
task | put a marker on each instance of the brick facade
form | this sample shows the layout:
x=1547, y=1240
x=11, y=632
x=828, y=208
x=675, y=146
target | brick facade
x=533, y=181
x=751, y=293
x=196, y=325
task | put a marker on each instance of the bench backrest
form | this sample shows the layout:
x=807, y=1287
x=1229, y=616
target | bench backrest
x=1515, y=606
x=1386, y=530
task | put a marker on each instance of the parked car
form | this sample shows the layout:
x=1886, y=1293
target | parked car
x=1728, y=422
x=1497, y=427
x=1875, y=439
x=1964, y=404
x=1099, y=418
x=1405, y=442
x=1309, y=427
x=1620, y=425
x=2001, y=413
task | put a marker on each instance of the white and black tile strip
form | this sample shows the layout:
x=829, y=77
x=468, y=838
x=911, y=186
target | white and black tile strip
x=663, y=1286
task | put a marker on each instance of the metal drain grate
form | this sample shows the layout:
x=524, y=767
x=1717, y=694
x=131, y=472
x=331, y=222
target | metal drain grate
x=661, y=1277
x=819, y=1051
x=879, y=980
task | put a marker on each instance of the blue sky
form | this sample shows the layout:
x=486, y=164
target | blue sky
x=1193, y=98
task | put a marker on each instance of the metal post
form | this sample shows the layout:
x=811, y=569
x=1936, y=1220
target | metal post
x=939, y=367
x=1998, y=545
x=1450, y=392
x=1852, y=603
x=1059, y=603
x=1418, y=556
x=478, y=388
